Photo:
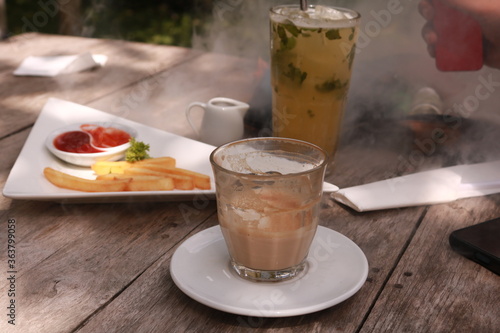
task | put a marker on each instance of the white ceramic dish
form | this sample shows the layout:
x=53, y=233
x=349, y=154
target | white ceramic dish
x=26, y=180
x=337, y=269
x=107, y=154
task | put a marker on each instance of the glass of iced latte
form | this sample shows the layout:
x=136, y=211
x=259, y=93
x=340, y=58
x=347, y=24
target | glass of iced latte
x=312, y=54
x=268, y=196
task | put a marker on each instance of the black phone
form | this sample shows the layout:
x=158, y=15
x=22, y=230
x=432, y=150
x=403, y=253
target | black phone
x=480, y=243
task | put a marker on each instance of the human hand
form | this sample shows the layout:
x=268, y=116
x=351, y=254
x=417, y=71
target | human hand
x=429, y=35
x=485, y=12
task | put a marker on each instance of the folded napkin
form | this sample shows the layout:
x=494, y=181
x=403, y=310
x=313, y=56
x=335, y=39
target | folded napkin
x=327, y=187
x=55, y=65
x=424, y=188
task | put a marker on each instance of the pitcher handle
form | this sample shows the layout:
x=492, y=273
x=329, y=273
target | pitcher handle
x=188, y=115
x=234, y=102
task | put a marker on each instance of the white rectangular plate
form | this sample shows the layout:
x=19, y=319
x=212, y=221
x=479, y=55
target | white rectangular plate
x=26, y=180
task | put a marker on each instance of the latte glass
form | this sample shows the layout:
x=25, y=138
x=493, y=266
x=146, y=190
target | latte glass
x=268, y=198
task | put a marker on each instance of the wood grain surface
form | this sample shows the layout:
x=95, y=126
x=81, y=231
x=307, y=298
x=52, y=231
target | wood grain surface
x=105, y=267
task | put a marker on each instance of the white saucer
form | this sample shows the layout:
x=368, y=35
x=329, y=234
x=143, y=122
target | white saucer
x=337, y=268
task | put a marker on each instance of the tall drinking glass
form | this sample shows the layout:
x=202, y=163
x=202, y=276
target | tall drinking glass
x=312, y=54
x=268, y=195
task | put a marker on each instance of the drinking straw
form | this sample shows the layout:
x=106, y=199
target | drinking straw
x=303, y=5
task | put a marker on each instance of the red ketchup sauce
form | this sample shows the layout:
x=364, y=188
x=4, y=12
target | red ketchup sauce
x=79, y=141
x=106, y=137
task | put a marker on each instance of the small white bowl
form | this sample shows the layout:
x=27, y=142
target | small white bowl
x=87, y=159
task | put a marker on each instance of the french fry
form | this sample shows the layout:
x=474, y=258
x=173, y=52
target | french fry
x=105, y=167
x=64, y=180
x=164, y=161
x=153, y=174
x=200, y=181
x=112, y=176
x=150, y=183
x=142, y=182
x=180, y=182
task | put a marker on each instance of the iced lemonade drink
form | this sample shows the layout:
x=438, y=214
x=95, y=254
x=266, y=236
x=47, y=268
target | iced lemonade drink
x=312, y=54
x=268, y=195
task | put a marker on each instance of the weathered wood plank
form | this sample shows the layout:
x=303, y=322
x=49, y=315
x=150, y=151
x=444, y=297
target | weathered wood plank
x=160, y=100
x=10, y=148
x=73, y=259
x=153, y=303
x=127, y=64
x=434, y=289
x=104, y=267
x=158, y=305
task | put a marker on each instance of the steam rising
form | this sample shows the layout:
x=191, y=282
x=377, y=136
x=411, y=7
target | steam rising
x=391, y=63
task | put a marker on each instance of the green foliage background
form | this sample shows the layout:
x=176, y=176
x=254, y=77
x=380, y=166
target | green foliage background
x=169, y=22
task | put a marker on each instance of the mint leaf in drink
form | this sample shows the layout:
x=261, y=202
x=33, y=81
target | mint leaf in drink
x=350, y=55
x=333, y=34
x=282, y=34
x=292, y=28
x=330, y=85
x=351, y=36
x=292, y=41
x=295, y=74
x=287, y=43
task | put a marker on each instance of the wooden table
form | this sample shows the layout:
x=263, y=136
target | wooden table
x=105, y=267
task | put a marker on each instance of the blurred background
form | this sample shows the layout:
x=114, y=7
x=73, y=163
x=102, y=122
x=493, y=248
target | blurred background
x=391, y=64
x=152, y=21
x=390, y=42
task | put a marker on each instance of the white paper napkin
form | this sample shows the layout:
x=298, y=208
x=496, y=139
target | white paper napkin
x=327, y=187
x=56, y=65
x=424, y=188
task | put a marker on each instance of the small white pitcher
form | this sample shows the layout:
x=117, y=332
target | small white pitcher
x=222, y=120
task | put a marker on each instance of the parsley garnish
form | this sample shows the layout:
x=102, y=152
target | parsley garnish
x=137, y=151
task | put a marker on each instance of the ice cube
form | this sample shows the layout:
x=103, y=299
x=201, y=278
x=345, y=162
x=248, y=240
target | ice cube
x=318, y=16
x=323, y=12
